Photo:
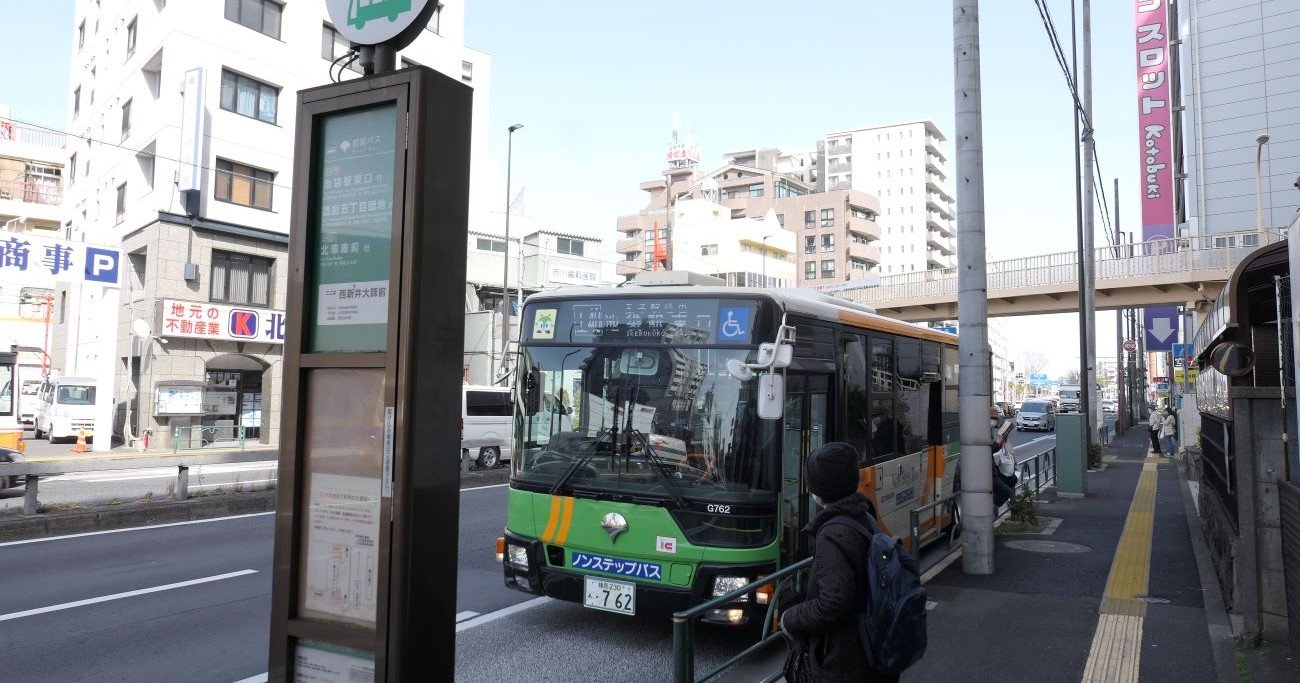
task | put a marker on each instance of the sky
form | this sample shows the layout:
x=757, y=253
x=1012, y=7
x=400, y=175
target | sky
x=597, y=85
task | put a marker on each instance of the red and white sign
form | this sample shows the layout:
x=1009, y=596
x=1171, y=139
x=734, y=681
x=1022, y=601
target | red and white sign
x=194, y=320
x=666, y=544
x=1155, y=132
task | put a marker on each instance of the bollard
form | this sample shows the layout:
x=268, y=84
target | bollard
x=683, y=650
x=29, y=495
x=182, y=482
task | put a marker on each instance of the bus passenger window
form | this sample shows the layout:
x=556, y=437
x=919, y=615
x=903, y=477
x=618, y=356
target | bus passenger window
x=857, y=415
x=886, y=431
x=913, y=397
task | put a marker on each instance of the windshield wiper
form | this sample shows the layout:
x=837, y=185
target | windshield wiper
x=660, y=466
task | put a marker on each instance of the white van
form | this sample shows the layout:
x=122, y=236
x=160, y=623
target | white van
x=487, y=414
x=67, y=406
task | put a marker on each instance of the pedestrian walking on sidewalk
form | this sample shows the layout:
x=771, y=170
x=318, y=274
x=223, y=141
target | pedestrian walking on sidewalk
x=1154, y=424
x=1168, y=427
x=824, y=627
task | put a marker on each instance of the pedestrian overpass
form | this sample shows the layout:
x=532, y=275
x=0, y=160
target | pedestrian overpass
x=1179, y=271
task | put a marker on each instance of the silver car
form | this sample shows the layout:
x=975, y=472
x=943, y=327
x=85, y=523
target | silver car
x=1036, y=415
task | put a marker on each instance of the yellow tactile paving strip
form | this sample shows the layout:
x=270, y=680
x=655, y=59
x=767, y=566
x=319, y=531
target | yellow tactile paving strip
x=1117, y=645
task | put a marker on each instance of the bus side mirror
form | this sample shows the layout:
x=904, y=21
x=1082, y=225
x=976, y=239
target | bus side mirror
x=775, y=355
x=771, y=396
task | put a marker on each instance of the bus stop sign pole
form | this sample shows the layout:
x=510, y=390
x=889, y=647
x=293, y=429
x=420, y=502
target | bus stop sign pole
x=364, y=574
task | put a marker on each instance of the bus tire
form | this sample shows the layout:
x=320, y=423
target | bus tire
x=488, y=457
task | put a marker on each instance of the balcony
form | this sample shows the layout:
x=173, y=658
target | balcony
x=32, y=192
x=933, y=149
x=839, y=167
x=943, y=229
x=863, y=228
x=933, y=169
x=628, y=268
x=631, y=245
x=933, y=261
x=936, y=208
x=939, y=244
x=841, y=185
x=864, y=252
x=844, y=146
x=13, y=131
x=934, y=188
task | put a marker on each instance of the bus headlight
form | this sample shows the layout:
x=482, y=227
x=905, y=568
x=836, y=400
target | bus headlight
x=726, y=584
x=517, y=557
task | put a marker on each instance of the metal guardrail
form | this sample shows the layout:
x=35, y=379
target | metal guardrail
x=199, y=437
x=1105, y=434
x=684, y=626
x=1041, y=470
x=33, y=470
x=950, y=504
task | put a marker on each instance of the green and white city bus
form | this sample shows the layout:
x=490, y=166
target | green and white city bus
x=661, y=433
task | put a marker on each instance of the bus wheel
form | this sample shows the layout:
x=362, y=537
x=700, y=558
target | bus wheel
x=489, y=458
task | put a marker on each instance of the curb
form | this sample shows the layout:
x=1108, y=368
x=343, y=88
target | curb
x=1222, y=644
x=105, y=517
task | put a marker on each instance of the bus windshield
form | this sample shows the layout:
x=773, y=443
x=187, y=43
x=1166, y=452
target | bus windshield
x=660, y=421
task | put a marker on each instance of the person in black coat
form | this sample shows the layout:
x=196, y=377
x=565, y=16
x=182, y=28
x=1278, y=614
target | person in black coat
x=837, y=586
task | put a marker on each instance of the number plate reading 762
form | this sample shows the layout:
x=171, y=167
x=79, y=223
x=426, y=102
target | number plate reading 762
x=611, y=596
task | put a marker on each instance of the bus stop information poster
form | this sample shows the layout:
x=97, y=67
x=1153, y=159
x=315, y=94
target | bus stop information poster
x=354, y=241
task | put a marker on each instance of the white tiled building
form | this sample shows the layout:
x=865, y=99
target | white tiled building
x=124, y=174
x=904, y=165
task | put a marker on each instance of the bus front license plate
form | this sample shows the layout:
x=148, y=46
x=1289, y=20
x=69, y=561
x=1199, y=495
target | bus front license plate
x=610, y=596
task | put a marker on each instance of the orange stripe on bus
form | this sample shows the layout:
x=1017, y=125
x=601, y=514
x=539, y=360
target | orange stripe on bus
x=564, y=525
x=556, y=503
x=882, y=324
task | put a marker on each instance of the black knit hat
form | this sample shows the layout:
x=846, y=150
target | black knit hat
x=833, y=471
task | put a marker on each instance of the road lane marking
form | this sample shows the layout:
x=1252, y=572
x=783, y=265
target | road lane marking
x=480, y=488
x=1116, y=650
x=133, y=528
x=462, y=616
x=127, y=594
x=504, y=612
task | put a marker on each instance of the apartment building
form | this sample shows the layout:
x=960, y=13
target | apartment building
x=796, y=163
x=1238, y=70
x=836, y=231
x=31, y=206
x=905, y=167
x=181, y=148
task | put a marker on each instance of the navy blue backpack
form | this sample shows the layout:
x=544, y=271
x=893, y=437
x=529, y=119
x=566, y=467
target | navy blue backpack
x=891, y=621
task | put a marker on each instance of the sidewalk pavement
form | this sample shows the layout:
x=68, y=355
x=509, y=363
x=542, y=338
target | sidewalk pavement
x=1115, y=593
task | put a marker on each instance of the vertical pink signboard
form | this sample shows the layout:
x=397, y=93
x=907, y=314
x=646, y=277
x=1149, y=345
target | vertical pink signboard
x=1154, y=118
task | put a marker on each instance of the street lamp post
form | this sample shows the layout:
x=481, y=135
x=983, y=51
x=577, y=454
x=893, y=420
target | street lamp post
x=765, y=239
x=505, y=268
x=1260, y=141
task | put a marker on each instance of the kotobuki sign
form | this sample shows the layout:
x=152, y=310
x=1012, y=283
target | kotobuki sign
x=194, y=320
x=39, y=261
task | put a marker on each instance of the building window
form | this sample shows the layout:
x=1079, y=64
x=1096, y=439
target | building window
x=861, y=213
x=72, y=169
x=121, y=203
x=435, y=21
x=810, y=270
x=248, y=97
x=709, y=250
x=130, y=38
x=564, y=245
x=780, y=219
x=467, y=71
x=828, y=242
x=262, y=16
x=240, y=279
x=810, y=244
x=828, y=218
x=756, y=190
x=126, y=119
x=333, y=46
x=810, y=219
x=76, y=101
x=243, y=185
x=828, y=269
x=485, y=244
x=81, y=34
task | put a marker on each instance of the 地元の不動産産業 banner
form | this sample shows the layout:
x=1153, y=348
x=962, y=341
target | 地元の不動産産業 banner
x=1151, y=23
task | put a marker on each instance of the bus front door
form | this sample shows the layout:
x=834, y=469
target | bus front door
x=807, y=424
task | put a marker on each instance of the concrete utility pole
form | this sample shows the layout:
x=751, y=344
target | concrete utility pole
x=505, y=258
x=1088, y=293
x=974, y=397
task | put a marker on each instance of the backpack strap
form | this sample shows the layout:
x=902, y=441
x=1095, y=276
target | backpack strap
x=852, y=524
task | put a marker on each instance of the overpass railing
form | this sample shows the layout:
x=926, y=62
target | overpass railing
x=1179, y=256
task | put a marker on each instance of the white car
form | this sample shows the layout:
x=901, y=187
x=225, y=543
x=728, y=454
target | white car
x=487, y=414
x=1110, y=405
x=1037, y=415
